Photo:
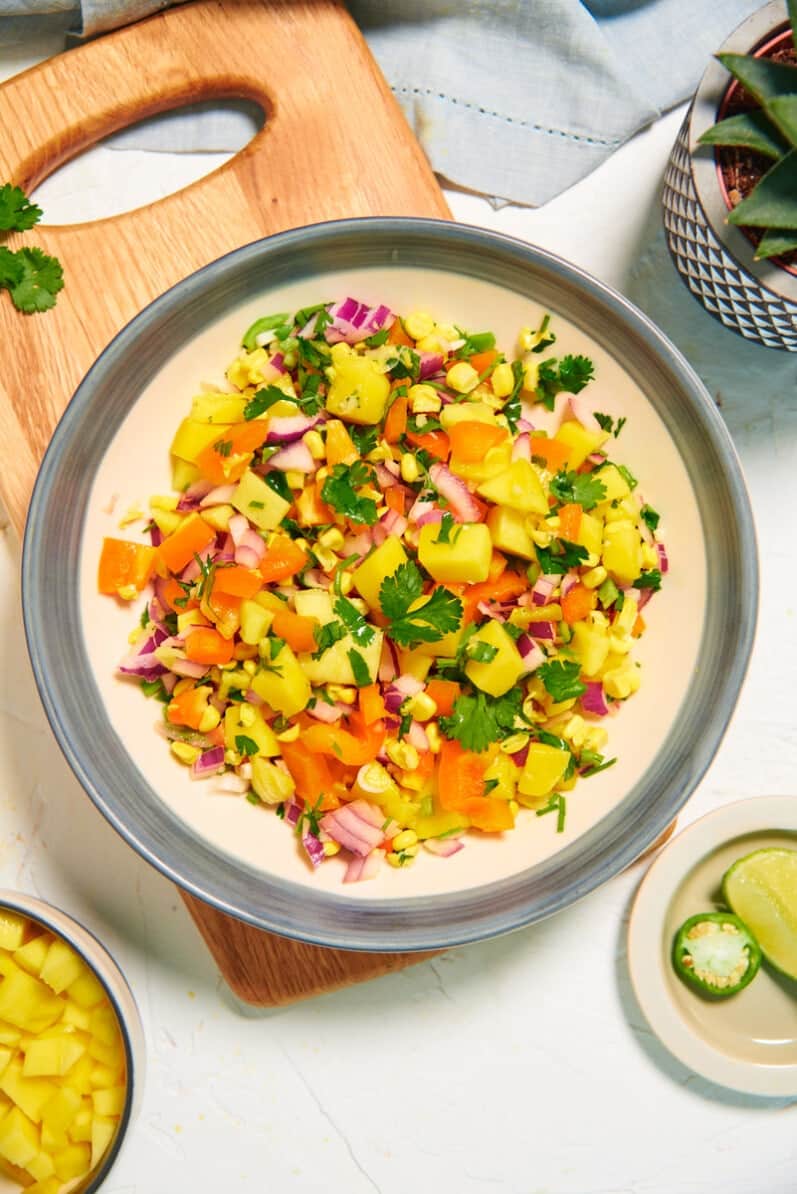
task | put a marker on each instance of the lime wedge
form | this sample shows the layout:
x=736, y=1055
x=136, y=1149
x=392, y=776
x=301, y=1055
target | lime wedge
x=761, y=889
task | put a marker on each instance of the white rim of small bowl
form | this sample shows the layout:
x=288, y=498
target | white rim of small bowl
x=121, y=998
x=646, y=960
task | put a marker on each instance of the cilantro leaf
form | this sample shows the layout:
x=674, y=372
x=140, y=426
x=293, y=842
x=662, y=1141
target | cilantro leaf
x=606, y=423
x=584, y=488
x=326, y=636
x=478, y=720
x=561, y=679
x=277, y=481
x=246, y=746
x=40, y=279
x=560, y=556
x=512, y=409
x=476, y=342
x=359, y=668
x=481, y=652
x=649, y=580
x=364, y=438
x=570, y=374
x=17, y=213
x=397, y=592
x=650, y=517
x=378, y=338
x=407, y=363
x=449, y=529
x=339, y=492
x=260, y=402
x=439, y=614
x=354, y=621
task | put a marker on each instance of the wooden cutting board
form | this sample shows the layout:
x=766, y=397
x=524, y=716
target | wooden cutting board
x=334, y=144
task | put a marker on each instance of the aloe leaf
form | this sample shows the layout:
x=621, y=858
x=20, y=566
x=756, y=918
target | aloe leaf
x=775, y=244
x=773, y=203
x=750, y=129
x=764, y=80
x=783, y=111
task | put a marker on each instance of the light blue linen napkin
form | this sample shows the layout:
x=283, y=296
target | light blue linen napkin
x=515, y=99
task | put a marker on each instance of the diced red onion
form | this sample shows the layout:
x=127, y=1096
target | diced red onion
x=568, y=582
x=235, y=784
x=155, y=535
x=664, y=563
x=313, y=849
x=293, y=811
x=278, y=362
x=444, y=847
x=246, y=557
x=644, y=597
x=238, y=527
x=393, y=523
x=189, y=668
x=253, y=698
x=370, y=813
x=521, y=449
x=491, y=611
x=387, y=663
x=217, y=496
x=286, y=429
x=329, y=714
x=378, y=534
x=245, y=770
x=168, y=681
x=393, y=698
x=314, y=578
x=357, y=545
x=385, y=477
x=193, y=569
x=579, y=409
x=594, y=699
x=353, y=321
x=544, y=588
x=297, y=456
x=519, y=756
x=416, y=736
x=431, y=363
x=409, y=685
x=208, y=763
x=550, y=421
x=525, y=425
x=360, y=869
x=456, y=493
x=251, y=548
x=193, y=496
x=434, y=515
x=352, y=827
x=531, y=653
x=543, y=630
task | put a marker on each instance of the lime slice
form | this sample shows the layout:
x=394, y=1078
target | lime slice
x=761, y=889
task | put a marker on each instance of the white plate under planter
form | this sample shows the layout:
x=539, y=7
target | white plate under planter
x=748, y=1041
x=715, y=259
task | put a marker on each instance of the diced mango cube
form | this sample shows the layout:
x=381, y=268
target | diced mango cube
x=590, y=533
x=81, y=1124
x=110, y=1101
x=6, y=1053
x=239, y=719
x=622, y=551
x=59, y=1112
x=41, y=1166
x=31, y=1094
x=368, y=577
x=31, y=956
x=19, y=1138
x=463, y=558
x=519, y=488
x=359, y=390
x=282, y=683
x=72, y=1161
x=544, y=768
x=113, y=1055
x=28, y=1003
x=9, y=1034
x=52, y=1057
x=590, y=645
x=505, y=666
x=496, y=460
x=79, y=1077
x=192, y=437
x=49, y=1185
x=103, y=1075
x=509, y=532
x=581, y=442
x=258, y=501
x=86, y=990
x=75, y=1016
x=102, y=1133
x=12, y=930
x=613, y=482
x=61, y=966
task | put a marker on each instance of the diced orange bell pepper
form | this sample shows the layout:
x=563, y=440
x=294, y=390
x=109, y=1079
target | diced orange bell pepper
x=228, y=457
x=491, y=816
x=123, y=563
x=396, y=421
x=372, y=707
x=436, y=443
x=175, y=596
x=311, y=510
x=497, y=565
x=570, y=521
x=190, y=538
x=397, y=335
x=503, y=588
x=205, y=645
x=225, y=610
x=460, y=787
x=578, y=603
x=295, y=629
x=481, y=361
x=237, y=581
x=554, y=453
x=189, y=707
x=283, y=559
x=310, y=772
x=340, y=449
x=470, y=440
x=443, y=693
x=394, y=498
x=639, y=626
x=349, y=748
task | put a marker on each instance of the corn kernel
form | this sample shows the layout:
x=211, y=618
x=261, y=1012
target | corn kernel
x=595, y=738
x=315, y=444
x=514, y=743
x=574, y=731
x=331, y=849
x=409, y=468
x=322, y=473
x=342, y=692
x=294, y=478
x=622, y=681
x=624, y=621
x=531, y=374
x=503, y=380
x=134, y=514
x=542, y=538
x=421, y=706
x=339, y=352
x=462, y=377
x=650, y=557
x=250, y=666
x=405, y=858
x=346, y=582
x=403, y=754
x=209, y=719
x=127, y=592
x=513, y=807
x=433, y=737
x=525, y=340
x=424, y=399
x=405, y=839
x=289, y=735
x=185, y=753
x=327, y=559
x=333, y=539
x=392, y=860
x=419, y=324
x=382, y=451
x=246, y=714
x=232, y=758
x=619, y=643
x=595, y=577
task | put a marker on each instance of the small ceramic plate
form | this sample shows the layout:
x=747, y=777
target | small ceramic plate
x=748, y=1041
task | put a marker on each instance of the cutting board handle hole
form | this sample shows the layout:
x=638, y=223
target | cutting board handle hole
x=135, y=166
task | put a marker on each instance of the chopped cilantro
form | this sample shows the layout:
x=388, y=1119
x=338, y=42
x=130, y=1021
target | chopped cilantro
x=544, y=338
x=337, y=584
x=439, y=614
x=275, y=645
x=476, y=342
x=310, y=399
x=561, y=679
x=223, y=447
x=489, y=786
x=364, y=438
x=340, y=492
x=593, y=762
x=17, y=213
x=556, y=804
x=144, y=619
x=277, y=481
x=326, y=636
x=359, y=668
x=170, y=622
x=481, y=652
x=378, y=338
x=627, y=476
x=292, y=528
x=235, y=695
x=253, y=798
x=32, y=278
x=246, y=746
x=607, y=423
x=305, y=314
x=649, y=580
x=309, y=816
x=280, y=811
x=650, y=517
x=560, y=556
x=570, y=374
x=512, y=409
x=155, y=688
x=406, y=363
x=353, y=620
x=449, y=529
x=260, y=402
x=256, y=505
x=478, y=720
x=583, y=488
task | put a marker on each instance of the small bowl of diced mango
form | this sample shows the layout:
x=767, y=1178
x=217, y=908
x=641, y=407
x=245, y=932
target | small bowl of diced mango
x=71, y=1046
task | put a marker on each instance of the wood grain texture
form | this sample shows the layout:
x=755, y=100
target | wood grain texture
x=334, y=144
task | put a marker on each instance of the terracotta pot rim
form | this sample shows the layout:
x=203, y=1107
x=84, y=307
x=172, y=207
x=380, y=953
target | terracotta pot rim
x=760, y=28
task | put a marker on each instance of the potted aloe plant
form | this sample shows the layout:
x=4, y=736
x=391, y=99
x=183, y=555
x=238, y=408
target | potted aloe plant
x=730, y=189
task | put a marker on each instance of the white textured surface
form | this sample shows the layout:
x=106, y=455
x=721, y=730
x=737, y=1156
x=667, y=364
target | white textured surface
x=520, y=1065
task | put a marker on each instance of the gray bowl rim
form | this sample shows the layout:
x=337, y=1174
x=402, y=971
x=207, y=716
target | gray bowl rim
x=17, y=903
x=329, y=919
